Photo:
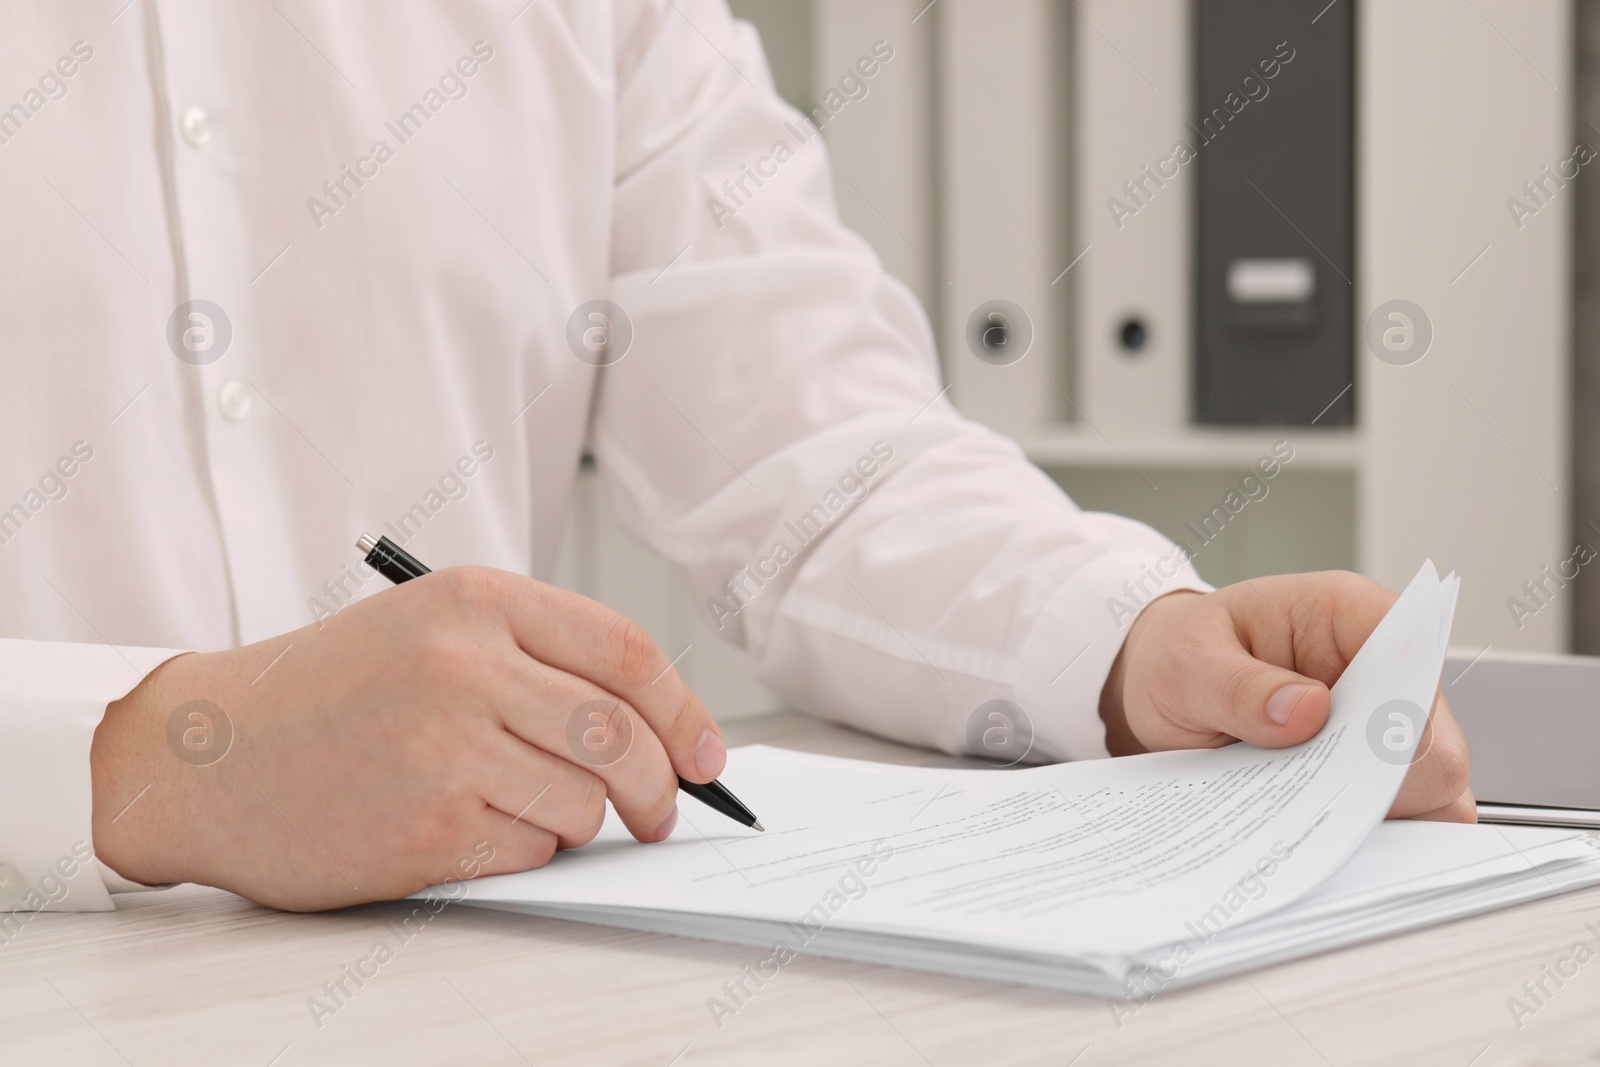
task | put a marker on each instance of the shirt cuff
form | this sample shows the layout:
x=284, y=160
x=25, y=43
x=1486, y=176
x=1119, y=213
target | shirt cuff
x=1068, y=655
x=52, y=696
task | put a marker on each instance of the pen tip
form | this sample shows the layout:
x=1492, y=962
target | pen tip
x=366, y=543
x=757, y=826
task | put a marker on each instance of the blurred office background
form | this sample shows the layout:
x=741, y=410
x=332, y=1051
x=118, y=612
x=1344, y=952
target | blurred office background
x=1191, y=310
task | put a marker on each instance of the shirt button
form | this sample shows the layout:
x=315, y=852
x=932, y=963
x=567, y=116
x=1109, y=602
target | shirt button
x=196, y=126
x=234, y=400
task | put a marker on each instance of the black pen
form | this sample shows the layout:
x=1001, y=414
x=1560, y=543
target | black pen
x=398, y=565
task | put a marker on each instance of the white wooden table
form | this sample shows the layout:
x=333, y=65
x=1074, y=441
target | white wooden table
x=198, y=976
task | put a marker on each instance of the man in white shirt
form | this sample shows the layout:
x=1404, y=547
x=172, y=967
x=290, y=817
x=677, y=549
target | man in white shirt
x=275, y=274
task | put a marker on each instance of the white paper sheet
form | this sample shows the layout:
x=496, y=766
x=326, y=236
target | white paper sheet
x=1097, y=860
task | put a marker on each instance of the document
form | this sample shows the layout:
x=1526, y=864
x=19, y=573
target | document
x=1083, y=876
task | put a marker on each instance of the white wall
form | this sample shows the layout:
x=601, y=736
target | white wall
x=1467, y=450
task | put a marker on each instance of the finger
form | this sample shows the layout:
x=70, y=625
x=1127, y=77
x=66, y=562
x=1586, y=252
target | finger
x=530, y=785
x=1462, y=809
x=572, y=719
x=590, y=640
x=1222, y=689
x=1441, y=773
x=505, y=846
x=1310, y=623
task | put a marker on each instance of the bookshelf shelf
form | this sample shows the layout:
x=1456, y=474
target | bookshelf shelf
x=1081, y=445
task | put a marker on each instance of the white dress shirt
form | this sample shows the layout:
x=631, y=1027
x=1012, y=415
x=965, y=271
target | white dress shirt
x=398, y=211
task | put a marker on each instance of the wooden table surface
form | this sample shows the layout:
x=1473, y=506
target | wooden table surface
x=198, y=976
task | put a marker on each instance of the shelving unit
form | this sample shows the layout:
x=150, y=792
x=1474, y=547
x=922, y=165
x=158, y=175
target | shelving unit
x=1079, y=444
x=979, y=168
x=1461, y=457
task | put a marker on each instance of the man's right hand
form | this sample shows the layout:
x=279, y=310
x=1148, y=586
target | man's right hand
x=462, y=724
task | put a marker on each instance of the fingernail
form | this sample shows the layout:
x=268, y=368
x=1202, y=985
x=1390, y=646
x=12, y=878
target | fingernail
x=667, y=824
x=710, y=754
x=1281, y=705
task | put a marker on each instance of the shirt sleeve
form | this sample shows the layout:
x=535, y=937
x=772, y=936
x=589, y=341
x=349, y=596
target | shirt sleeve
x=777, y=427
x=52, y=696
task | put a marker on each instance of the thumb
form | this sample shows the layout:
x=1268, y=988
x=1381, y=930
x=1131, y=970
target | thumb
x=1263, y=704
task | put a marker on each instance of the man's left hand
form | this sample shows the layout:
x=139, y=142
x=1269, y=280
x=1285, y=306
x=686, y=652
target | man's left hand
x=1254, y=662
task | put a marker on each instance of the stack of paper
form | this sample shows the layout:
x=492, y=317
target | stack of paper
x=1115, y=877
